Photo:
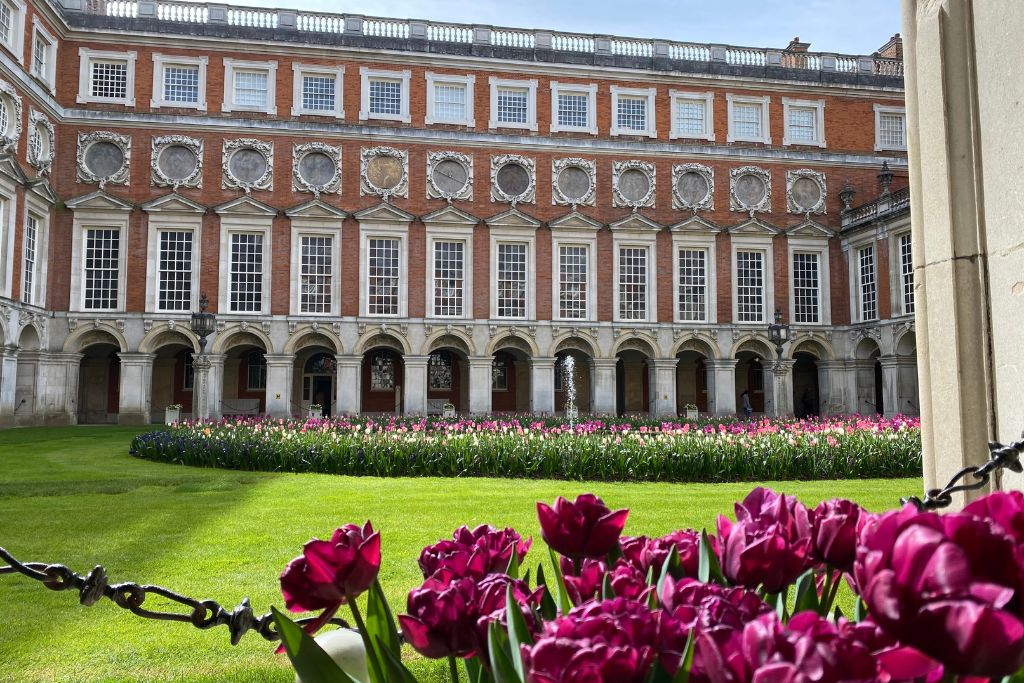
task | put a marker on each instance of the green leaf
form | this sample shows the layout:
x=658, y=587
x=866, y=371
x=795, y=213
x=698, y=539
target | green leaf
x=806, y=593
x=708, y=569
x=501, y=662
x=547, y=603
x=380, y=624
x=518, y=631
x=395, y=671
x=607, y=592
x=860, y=611
x=564, y=603
x=476, y=672
x=311, y=663
x=686, y=662
x=513, y=563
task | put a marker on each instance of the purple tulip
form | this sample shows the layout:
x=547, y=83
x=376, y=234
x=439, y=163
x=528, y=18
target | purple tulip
x=950, y=585
x=491, y=605
x=331, y=573
x=586, y=585
x=583, y=528
x=769, y=545
x=650, y=553
x=1005, y=509
x=835, y=526
x=441, y=619
x=474, y=553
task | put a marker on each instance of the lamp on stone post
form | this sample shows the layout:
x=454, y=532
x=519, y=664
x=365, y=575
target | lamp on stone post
x=885, y=178
x=778, y=332
x=203, y=325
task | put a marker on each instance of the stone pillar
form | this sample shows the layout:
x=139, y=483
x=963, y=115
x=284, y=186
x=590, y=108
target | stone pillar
x=280, y=369
x=663, y=380
x=414, y=393
x=480, y=384
x=831, y=380
x=8, y=384
x=721, y=386
x=349, y=391
x=862, y=381
x=782, y=387
x=603, y=396
x=890, y=385
x=542, y=385
x=136, y=384
x=215, y=402
x=200, y=387
x=57, y=388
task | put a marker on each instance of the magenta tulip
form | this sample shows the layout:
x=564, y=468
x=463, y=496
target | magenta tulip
x=950, y=585
x=583, y=528
x=835, y=526
x=769, y=545
x=1005, y=509
x=474, y=553
x=650, y=553
x=441, y=619
x=331, y=573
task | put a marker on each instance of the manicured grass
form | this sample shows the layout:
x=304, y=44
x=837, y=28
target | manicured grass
x=74, y=496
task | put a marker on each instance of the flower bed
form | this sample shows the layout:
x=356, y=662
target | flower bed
x=524, y=446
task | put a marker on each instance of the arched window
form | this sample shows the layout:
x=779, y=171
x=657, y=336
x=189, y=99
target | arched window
x=382, y=372
x=257, y=363
x=320, y=364
x=499, y=372
x=439, y=370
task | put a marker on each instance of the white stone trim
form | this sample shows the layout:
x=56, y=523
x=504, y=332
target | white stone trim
x=644, y=240
x=708, y=244
x=853, y=248
x=885, y=109
x=8, y=221
x=163, y=222
x=468, y=82
x=367, y=74
x=764, y=101
x=85, y=220
x=35, y=205
x=764, y=245
x=451, y=234
x=897, y=304
x=530, y=85
x=515, y=236
x=819, y=121
x=301, y=70
x=590, y=90
x=316, y=227
x=86, y=57
x=231, y=66
x=708, y=98
x=650, y=94
x=399, y=231
x=811, y=245
x=571, y=238
x=162, y=61
x=235, y=224
x=16, y=45
x=48, y=79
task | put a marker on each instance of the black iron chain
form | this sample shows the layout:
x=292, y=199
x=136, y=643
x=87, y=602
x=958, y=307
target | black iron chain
x=1001, y=457
x=203, y=614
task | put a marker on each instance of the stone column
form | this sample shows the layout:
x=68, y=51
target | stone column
x=782, y=387
x=215, y=402
x=480, y=384
x=414, y=391
x=721, y=386
x=57, y=388
x=862, y=380
x=136, y=384
x=890, y=384
x=280, y=368
x=831, y=378
x=200, y=386
x=603, y=396
x=542, y=385
x=8, y=384
x=663, y=399
x=349, y=390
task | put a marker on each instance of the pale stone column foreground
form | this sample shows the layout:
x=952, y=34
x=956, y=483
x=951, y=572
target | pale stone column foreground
x=602, y=398
x=782, y=387
x=200, y=387
x=280, y=370
x=8, y=384
x=414, y=391
x=965, y=121
x=215, y=393
x=542, y=385
x=723, y=391
x=349, y=389
x=136, y=384
x=664, y=386
x=480, y=384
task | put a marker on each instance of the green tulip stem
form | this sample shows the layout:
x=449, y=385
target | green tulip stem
x=453, y=667
x=371, y=657
x=833, y=579
x=577, y=566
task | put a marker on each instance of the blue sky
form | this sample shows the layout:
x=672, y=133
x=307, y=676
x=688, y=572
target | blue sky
x=845, y=26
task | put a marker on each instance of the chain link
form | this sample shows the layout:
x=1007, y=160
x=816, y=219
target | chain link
x=202, y=614
x=1000, y=457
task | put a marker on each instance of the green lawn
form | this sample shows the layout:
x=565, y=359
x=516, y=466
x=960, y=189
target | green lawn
x=74, y=496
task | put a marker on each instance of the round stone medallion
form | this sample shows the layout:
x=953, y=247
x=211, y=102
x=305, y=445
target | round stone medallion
x=513, y=179
x=317, y=169
x=692, y=188
x=806, y=194
x=384, y=172
x=634, y=185
x=750, y=189
x=104, y=159
x=247, y=165
x=574, y=183
x=177, y=162
x=450, y=176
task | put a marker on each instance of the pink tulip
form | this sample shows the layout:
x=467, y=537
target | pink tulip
x=331, y=573
x=584, y=528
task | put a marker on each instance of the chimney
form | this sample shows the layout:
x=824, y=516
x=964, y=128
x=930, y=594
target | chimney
x=893, y=49
x=796, y=46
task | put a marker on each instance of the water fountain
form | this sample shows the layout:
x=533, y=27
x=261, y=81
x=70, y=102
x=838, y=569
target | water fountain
x=569, y=384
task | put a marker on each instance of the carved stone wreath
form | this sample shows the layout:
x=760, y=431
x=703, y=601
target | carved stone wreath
x=9, y=137
x=40, y=126
x=797, y=185
x=621, y=168
x=737, y=202
x=322, y=185
x=436, y=192
x=265, y=181
x=558, y=195
x=366, y=187
x=160, y=177
x=118, y=176
x=679, y=201
x=527, y=196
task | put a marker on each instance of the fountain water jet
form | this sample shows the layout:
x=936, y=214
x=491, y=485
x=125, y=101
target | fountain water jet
x=569, y=384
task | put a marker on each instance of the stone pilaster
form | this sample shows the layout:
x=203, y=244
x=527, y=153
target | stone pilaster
x=216, y=386
x=480, y=384
x=831, y=382
x=136, y=385
x=414, y=393
x=721, y=386
x=542, y=385
x=782, y=388
x=280, y=369
x=349, y=384
x=663, y=399
x=603, y=396
x=8, y=384
x=200, y=387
